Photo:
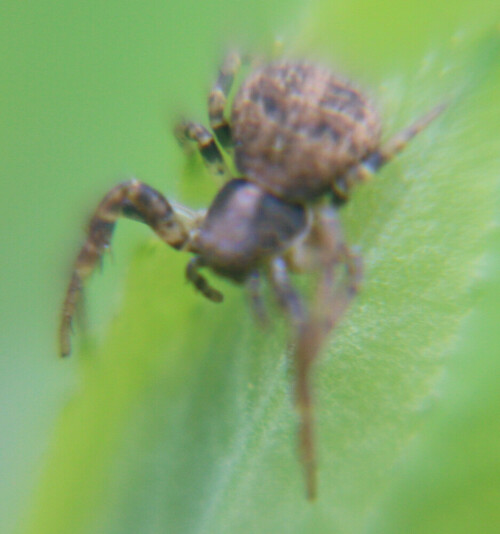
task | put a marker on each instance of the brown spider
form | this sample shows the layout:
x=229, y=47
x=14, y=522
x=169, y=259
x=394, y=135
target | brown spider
x=301, y=138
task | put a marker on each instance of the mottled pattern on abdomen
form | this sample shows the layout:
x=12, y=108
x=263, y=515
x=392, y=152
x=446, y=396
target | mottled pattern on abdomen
x=296, y=127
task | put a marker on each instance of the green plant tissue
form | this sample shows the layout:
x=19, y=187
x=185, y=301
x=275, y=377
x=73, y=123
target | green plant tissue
x=181, y=419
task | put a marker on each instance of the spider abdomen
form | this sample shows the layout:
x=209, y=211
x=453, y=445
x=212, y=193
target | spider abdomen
x=296, y=127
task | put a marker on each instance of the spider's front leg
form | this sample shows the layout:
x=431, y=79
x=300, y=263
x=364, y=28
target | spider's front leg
x=321, y=252
x=364, y=170
x=253, y=287
x=133, y=200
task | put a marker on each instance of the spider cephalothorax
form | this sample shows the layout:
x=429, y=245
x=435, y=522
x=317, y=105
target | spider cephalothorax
x=302, y=138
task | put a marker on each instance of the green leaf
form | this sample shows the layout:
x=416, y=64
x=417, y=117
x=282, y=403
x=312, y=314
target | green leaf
x=183, y=420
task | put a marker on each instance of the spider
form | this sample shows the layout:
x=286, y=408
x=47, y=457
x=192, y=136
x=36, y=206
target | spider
x=301, y=138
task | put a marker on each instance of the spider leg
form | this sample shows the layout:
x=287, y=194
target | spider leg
x=253, y=286
x=187, y=131
x=305, y=349
x=397, y=143
x=217, y=99
x=288, y=298
x=370, y=165
x=332, y=300
x=134, y=200
x=200, y=282
x=322, y=251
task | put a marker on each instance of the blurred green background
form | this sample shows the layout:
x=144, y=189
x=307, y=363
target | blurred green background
x=176, y=417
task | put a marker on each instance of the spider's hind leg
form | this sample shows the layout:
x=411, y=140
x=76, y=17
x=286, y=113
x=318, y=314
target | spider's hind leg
x=253, y=287
x=187, y=131
x=370, y=165
x=217, y=99
x=200, y=282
